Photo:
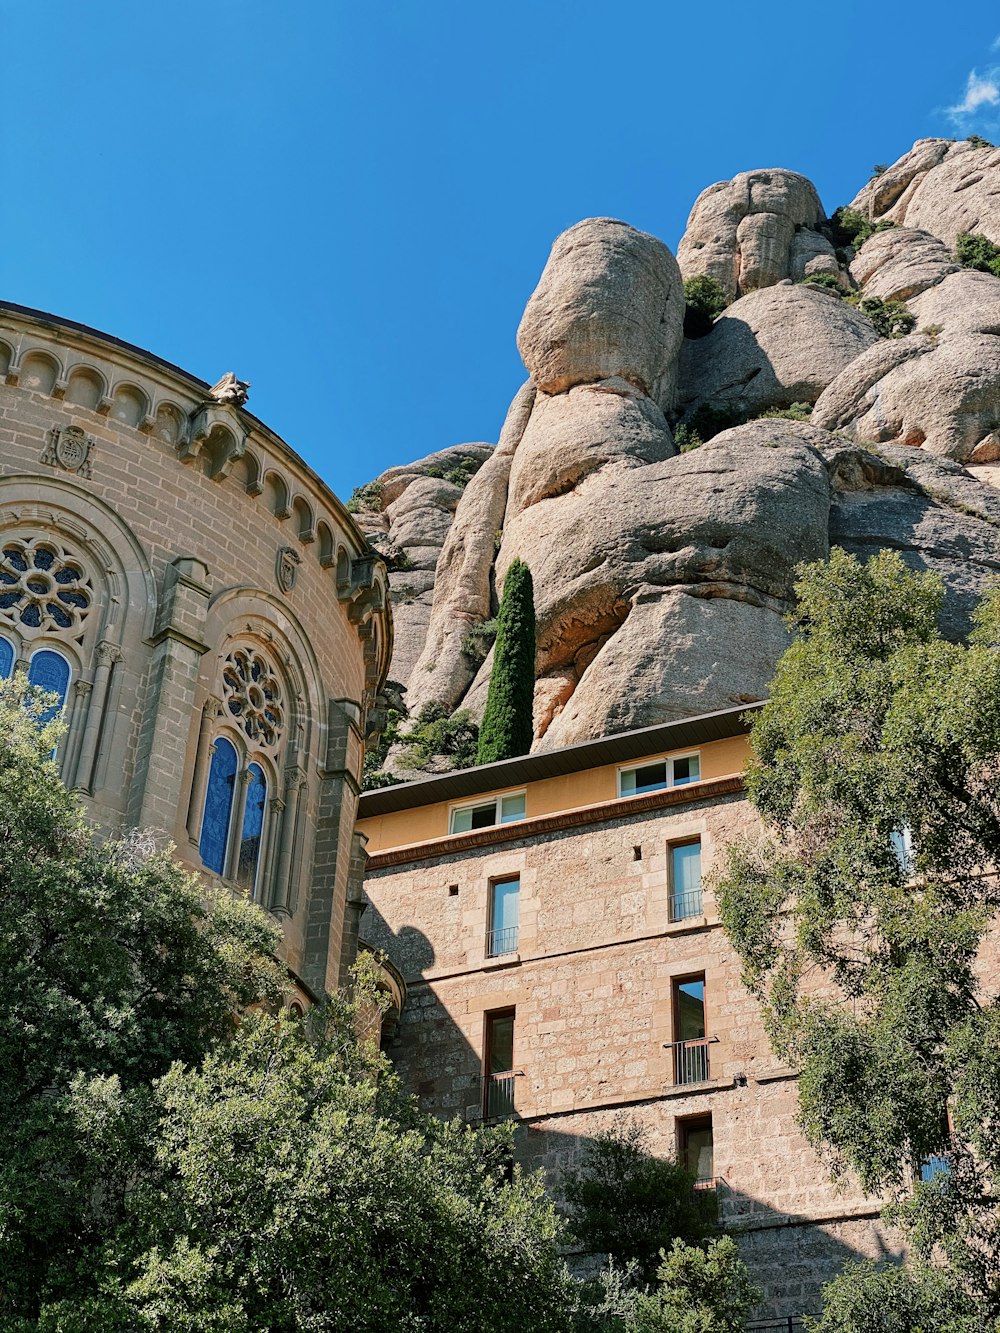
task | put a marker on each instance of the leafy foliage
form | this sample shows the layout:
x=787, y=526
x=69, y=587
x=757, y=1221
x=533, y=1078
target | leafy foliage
x=686, y=438
x=976, y=251
x=849, y=227
x=367, y=497
x=507, y=728
x=479, y=640
x=977, y=141
x=863, y=951
x=376, y=754
x=704, y=302
x=702, y=1289
x=827, y=281
x=112, y=967
x=631, y=1205
x=436, y=733
x=883, y=1298
x=891, y=318
x=797, y=412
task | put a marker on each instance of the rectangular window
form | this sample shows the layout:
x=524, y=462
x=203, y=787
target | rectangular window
x=505, y=907
x=902, y=846
x=690, y=1040
x=485, y=814
x=498, y=1062
x=685, y=880
x=673, y=772
x=695, y=1148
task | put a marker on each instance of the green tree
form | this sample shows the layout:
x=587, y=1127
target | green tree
x=112, y=966
x=701, y=1289
x=860, y=911
x=704, y=302
x=631, y=1205
x=296, y=1189
x=507, y=729
x=890, y=1299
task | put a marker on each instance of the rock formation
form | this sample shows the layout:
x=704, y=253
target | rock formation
x=663, y=574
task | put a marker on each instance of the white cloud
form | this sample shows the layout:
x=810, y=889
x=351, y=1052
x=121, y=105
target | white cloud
x=980, y=90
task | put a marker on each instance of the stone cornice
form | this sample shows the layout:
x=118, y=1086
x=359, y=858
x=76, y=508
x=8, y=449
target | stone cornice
x=454, y=844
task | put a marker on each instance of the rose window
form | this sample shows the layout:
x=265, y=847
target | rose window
x=43, y=586
x=253, y=695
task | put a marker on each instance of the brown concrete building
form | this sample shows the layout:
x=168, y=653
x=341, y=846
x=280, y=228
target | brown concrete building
x=204, y=605
x=553, y=919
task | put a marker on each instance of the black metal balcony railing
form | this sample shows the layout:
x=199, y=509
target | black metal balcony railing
x=499, y=942
x=499, y=1099
x=683, y=905
x=691, y=1063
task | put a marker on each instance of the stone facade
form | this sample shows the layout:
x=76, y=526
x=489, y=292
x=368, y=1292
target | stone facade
x=593, y=985
x=201, y=585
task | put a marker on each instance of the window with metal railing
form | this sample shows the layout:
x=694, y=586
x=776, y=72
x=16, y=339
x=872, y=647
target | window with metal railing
x=685, y=880
x=499, y=1074
x=504, y=916
x=691, y=1043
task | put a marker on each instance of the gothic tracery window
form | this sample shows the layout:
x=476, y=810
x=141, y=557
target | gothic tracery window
x=253, y=829
x=252, y=694
x=7, y=655
x=50, y=672
x=43, y=586
x=218, y=812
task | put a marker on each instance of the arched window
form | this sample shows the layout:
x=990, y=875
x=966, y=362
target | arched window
x=50, y=672
x=253, y=828
x=6, y=658
x=218, y=806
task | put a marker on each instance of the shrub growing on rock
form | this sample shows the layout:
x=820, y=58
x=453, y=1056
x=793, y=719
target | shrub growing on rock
x=974, y=250
x=891, y=318
x=704, y=302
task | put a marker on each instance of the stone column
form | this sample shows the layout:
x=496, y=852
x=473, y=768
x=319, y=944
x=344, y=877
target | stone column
x=340, y=786
x=356, y=903
x=281, y=889
x=275, y=807
x=210, y=715
x=161, y=760
x=108, y=654
x=74, y=737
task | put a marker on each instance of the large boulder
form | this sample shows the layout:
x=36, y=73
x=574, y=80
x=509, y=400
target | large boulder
x=941, y=187
x=741, y=232
x=724, y=523
x=900, y=263
x=965, y=302
x=572, y=435
x=773, y=348
x=406, y=515
x=937, y=392
x=609, y=303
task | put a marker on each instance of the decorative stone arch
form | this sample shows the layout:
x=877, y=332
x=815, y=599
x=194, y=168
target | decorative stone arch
x=105, y=642
x=168, y=422
x=130, y=405
x=86, y=386
x=326, y=549
x=305, y=522
x=244, y=623
x=248, y=472
x=276, y=494
x=6, y=358
x=38, y=370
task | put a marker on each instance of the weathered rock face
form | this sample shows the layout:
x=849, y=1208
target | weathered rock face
x=941, y=187
x=771, y=349
x=407, y=520
x=662, y=578
x=741, y=232
x=609, y=303
x=901, y=263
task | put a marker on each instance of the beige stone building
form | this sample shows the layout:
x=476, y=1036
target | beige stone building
x=564, y=963
x=208, y=612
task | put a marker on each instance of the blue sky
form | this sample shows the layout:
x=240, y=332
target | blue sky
x=349, y=203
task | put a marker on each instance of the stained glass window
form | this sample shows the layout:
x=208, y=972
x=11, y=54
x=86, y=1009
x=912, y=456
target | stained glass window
x=50, y=672
x=43, y=586
x=253, y=828
x=6, y=658
x=218, y=806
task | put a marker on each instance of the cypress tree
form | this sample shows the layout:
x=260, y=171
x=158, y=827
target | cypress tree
x=507, y=725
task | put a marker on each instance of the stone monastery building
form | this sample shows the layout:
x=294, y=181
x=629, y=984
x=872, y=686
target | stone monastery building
x=564, y=965
x=218, y=630
x=204, y=605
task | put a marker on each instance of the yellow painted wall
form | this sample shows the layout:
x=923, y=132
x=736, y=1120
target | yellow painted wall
x=547, y=796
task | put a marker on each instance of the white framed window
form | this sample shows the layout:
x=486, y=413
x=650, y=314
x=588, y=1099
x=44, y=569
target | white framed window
x=506, y=809
x=672, y=771
x=901, y=840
